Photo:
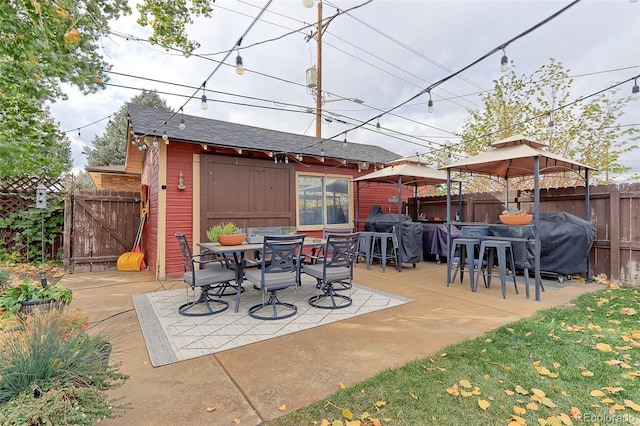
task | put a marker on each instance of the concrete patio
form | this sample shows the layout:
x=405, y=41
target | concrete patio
x=250, y=383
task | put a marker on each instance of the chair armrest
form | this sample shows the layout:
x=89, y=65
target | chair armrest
x=250, y=262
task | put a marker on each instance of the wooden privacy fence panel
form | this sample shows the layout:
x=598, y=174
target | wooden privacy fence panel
x=614, y=211
x=98, y=227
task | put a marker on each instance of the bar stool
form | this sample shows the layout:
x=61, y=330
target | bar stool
x=365, y=247
x=379, y=248
x=466, y=248
x=491, y=248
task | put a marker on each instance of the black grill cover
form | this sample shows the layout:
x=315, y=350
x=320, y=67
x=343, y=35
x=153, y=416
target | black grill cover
x=410, y=240
x=565, y=242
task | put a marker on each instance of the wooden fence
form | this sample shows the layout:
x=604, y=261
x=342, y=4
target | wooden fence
x=614, y=211
x=99, y=226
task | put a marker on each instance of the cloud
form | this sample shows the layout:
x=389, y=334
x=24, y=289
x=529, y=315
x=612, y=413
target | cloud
x=383, y=53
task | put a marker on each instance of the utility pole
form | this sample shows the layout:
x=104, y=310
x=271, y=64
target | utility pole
x=319, y=82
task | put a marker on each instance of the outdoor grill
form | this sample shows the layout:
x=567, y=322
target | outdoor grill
x=565, y=243
x=409, y=236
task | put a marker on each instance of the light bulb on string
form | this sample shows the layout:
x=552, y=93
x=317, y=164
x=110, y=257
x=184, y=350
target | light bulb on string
x=307, y=3
x=165, y=137
x=504, y=62
x=203, y=100
x=344, y=142
x=378, y=129
x=430, y=104
x=239, y=66
x=182, y=124
x=635, y=90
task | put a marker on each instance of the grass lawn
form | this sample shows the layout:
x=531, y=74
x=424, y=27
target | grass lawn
x=576, y=364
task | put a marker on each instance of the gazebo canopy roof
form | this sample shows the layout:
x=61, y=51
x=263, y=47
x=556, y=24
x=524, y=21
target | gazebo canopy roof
x=514, y=157
x=406, y=172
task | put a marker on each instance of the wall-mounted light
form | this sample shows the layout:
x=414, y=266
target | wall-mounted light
x=181, y=181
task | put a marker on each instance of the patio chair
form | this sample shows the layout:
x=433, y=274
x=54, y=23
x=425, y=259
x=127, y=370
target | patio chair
x=207, y=275
x=336, y=268
x=279, y=268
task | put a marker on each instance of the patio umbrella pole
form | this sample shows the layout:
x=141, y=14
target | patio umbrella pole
x=536, y=221
x=399, y=227
x=449, y=226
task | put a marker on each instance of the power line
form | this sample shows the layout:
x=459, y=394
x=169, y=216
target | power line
x=483, y=57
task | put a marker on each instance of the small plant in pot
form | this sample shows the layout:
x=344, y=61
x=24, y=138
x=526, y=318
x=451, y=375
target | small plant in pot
x=226, y=233
x=28, y=295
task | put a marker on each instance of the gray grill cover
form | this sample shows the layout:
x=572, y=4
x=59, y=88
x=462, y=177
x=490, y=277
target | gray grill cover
x=410, y=243
x=565, y=243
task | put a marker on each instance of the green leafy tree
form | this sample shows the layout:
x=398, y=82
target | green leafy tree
x=110, y=148
x=540, y=106
x=42, y=46
x=168, y=20
x=31, y=143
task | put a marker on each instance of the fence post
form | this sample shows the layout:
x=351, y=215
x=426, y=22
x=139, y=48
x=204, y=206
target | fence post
x=614, y=231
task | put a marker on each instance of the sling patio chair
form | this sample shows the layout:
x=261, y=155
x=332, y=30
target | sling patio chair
x=334, y=268
x=208, y=276
x=279, y=265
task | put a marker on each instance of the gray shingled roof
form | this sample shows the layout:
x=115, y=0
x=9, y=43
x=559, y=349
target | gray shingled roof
x=147, y=120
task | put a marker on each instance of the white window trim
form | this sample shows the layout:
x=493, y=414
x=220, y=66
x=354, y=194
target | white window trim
x=349, y=224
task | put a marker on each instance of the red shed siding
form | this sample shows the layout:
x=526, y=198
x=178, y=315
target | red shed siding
x=150, y=233
x=179, y=215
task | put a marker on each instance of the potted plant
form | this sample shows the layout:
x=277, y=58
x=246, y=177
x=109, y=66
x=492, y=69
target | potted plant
x=226, y=233
x=27, y=296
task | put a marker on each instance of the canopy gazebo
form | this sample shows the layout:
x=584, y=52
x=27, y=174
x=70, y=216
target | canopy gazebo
x=405, y=171
x=517, y=157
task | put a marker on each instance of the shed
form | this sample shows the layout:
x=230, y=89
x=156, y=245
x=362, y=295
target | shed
x=213, y=171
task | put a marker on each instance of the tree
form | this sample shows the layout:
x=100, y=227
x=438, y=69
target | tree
x=31, y=143
x=110, y=148
x=539, y=106
x=169, y=19
x=42, y=46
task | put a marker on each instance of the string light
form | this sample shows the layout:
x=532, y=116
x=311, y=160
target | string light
x=182, y=124
x=635, y=90
x=203, y=102
x=430, y=103
x=504, y=62
x=239, y=66
x=344, y=143
x=378, y=129
x=165, y=137
x=155, y=139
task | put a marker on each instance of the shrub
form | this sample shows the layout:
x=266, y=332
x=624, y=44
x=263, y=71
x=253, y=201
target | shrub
x=54, y=372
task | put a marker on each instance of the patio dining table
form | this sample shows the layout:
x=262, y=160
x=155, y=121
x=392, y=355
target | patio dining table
x=239, y=251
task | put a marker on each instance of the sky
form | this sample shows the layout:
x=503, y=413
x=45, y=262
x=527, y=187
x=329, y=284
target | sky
x=382, y=53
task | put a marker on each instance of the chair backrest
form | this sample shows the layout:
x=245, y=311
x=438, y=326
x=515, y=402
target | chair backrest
x=342, y=249
x=281, y=254
x=327, y=231
x=187, y=257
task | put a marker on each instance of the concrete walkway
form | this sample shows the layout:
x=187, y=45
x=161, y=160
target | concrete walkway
x=250, y=383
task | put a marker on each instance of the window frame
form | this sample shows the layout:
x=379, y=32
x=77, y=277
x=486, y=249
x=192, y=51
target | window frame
x=324, y=176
